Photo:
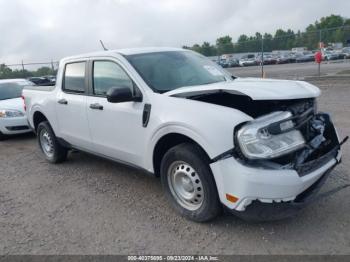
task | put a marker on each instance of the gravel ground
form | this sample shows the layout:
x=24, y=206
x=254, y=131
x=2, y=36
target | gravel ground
x=88, y=205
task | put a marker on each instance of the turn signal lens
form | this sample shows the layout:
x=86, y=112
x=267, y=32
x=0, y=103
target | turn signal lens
x=231, y=198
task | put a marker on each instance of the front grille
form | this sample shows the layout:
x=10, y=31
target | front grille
x=310, y=166
x=322, y=153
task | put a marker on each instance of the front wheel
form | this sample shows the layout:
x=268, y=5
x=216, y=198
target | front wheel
x=54, y=152
x=189, y=184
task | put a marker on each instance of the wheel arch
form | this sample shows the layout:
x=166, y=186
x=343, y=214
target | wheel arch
x=38, y=117
x=167, y=141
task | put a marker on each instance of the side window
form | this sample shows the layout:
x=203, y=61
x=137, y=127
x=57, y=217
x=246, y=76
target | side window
x=74, y=77
x=107, y=74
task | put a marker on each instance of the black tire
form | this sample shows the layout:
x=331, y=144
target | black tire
x=2, y=136
x=58, y=153
x=195, y=157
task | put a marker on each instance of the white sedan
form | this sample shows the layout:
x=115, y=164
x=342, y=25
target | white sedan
x=12, y=112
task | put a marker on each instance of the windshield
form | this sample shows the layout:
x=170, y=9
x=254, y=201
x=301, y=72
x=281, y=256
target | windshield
x=11, y=90
x=165, y=71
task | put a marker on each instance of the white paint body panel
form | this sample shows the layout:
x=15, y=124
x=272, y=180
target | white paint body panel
x=117, y=131
x=256, y=88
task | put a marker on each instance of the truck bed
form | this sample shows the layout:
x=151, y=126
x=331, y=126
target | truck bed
x=40, y=88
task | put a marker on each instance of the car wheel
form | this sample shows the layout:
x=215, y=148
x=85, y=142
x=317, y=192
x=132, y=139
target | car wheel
x=54, y=152
x=189, y=184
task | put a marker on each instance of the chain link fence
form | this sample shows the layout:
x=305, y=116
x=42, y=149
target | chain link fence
x=285, y=47
x=28, y=69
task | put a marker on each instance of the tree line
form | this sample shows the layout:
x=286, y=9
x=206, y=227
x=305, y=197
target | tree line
x=6, y=72
x=329, y=29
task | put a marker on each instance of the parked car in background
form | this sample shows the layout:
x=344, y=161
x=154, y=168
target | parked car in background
x=282, y=59
x=268, y=59
x=12, y=114
x=223, y=63
x=51, y=78
x=271, y=59
x=304, y=57
x=228, y=62
x=285, y=58
x=292, y=58
x=233, y=62
x=248, y=60
x=328, y=55
x=258, y=147
x=341, y=55
x=40, y=81
x=346, y=52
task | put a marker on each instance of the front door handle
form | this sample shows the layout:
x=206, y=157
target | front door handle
x=62, y=101
x=96, y=106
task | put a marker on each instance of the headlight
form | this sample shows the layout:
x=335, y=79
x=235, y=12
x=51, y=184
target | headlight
x=10, y=113
x=256, y=142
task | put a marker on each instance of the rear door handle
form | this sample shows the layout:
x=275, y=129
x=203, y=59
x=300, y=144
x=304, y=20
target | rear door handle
x=62, y=101
x=96, y=106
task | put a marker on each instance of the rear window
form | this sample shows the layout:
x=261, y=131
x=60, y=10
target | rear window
x=74, y=78
x=11, y=90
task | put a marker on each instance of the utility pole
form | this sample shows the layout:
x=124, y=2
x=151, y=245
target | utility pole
x=52, y=67
x=23, y=69
x=320, y=46
x=262, y=57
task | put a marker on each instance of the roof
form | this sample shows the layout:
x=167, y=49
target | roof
x=126, y=51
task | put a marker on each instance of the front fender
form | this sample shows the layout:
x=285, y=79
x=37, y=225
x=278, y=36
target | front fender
x=210, y=126
x=177, y=128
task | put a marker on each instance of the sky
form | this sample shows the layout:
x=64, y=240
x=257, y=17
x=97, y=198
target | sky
x=41, y=30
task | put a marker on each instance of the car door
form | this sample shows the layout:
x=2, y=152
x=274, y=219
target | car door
x=116, y=128
x=71, y=105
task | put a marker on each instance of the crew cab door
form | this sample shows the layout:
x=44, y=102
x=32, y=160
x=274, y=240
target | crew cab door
x=71, y=105
x=116, y=128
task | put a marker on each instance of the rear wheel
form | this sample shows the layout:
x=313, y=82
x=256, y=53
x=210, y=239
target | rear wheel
x=189, y=183
x=53, y=151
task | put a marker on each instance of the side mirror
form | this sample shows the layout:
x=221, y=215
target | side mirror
x=122, y=94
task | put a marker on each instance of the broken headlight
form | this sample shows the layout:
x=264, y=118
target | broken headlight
x=257, y=142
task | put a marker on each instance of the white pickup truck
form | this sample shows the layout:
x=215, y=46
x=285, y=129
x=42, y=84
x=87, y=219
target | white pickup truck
x=257, y=147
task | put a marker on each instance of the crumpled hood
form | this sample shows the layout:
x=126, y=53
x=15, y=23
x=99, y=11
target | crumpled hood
x=14, y=104
x=255, y=88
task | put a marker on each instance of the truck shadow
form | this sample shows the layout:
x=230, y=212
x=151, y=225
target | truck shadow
x=18, y=137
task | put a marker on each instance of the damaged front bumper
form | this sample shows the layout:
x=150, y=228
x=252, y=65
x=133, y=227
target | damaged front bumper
x=277, y=191
x=258, y=211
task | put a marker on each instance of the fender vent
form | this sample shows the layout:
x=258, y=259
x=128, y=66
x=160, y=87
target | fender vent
x=146, y=114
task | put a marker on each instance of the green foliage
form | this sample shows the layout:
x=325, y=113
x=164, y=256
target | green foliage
x=44, y=71
x=8, y=73
x=224, y=45
x=207, y=49
x=334, y=28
